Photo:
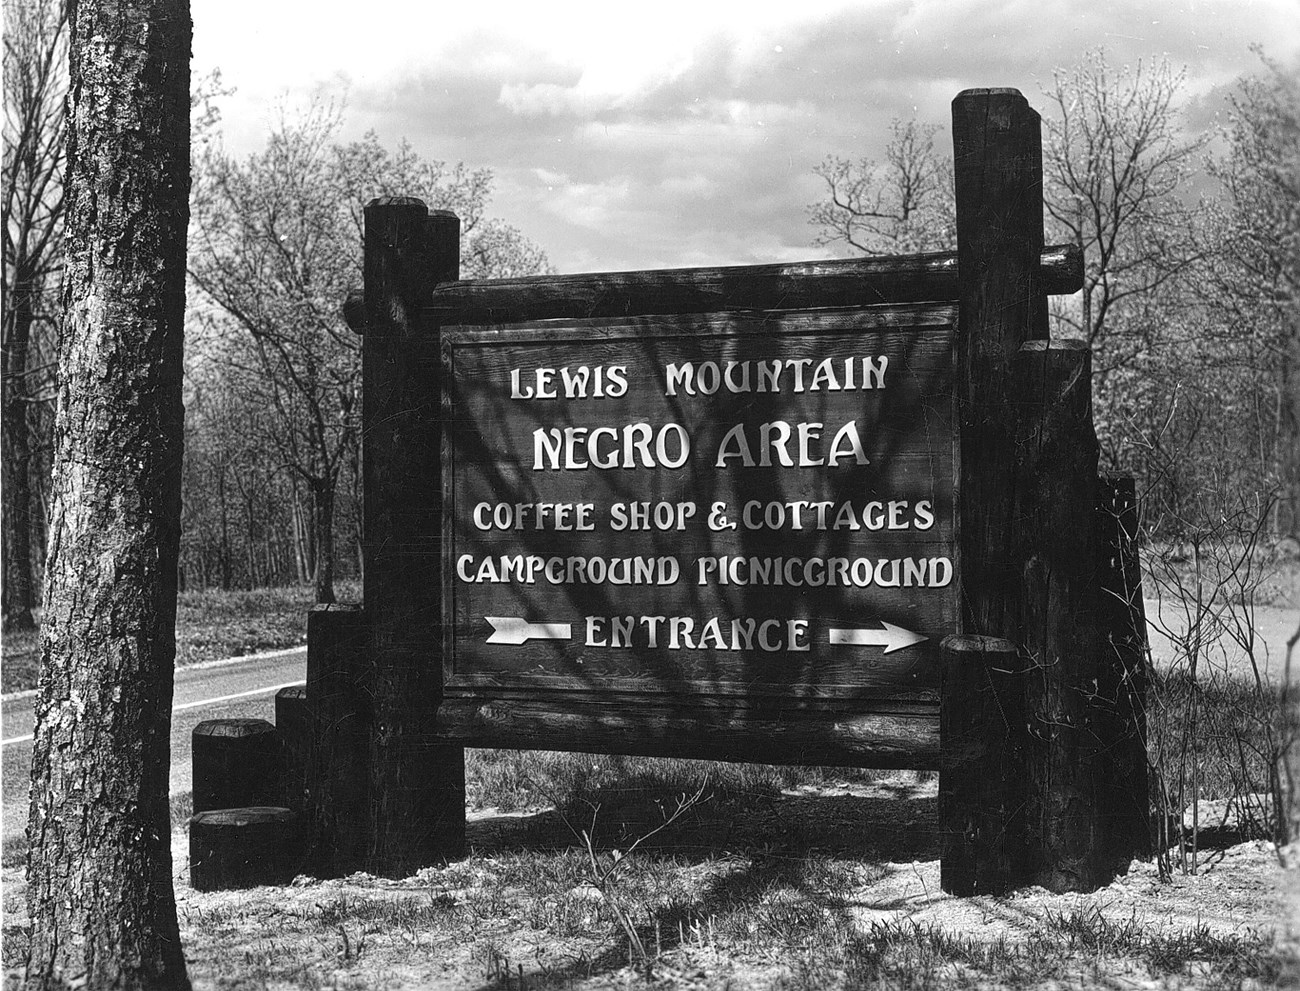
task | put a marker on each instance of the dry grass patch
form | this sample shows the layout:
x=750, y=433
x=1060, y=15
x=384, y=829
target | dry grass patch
x=812, y=886
x=210, y=625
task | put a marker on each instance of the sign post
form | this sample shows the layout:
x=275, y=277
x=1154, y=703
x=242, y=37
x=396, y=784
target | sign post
x=787, y=513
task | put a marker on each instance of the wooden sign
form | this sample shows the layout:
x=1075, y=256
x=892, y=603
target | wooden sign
x=712, y=513
x=719, y=504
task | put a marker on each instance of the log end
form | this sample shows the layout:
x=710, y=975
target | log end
x=233, y=729
x=244, y=848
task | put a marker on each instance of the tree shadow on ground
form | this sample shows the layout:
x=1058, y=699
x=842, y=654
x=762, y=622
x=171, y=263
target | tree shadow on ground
x=895, y=823
x=804, y=852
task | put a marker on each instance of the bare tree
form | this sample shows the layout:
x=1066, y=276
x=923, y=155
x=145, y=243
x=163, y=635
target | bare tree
x=35, y=83
x=239, y=528
x=1115, y=161
x=277, y=246
x=1255, y=283
x=35, y=132
x=900, y=205
x=99, y=894
x=1115, y=164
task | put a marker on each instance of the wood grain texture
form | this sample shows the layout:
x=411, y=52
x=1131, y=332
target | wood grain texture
x=294, y=729
x=244, y=848
x=1124, y=677
x=236, y=762
x=905, y=427
x=416, y=806
x=1058, y=556
x=983, y=749
x=846, y=282
x=336, y=811
x=849, y=738
x=999, y=186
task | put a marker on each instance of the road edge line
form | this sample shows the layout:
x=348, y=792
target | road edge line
x=200, y=666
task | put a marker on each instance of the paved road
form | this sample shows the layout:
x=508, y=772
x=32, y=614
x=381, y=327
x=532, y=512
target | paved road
x=241, y=687
x=1270, y=626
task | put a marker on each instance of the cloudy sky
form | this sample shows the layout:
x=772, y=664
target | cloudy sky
x=685, y=132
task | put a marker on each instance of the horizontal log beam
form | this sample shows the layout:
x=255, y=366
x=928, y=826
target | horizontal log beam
x=799, y=738
x=843, y=282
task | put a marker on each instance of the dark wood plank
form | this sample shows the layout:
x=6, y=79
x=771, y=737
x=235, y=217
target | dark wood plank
x=902, y=704
x=1070, y=799
x=336, y=807
x=999, y=188
x=1122, y=691
x=904, y=420
x=293, y=725
x=417, y=796
x=983, y=753
x=852, y=739
x=998, y=179
x=844, y=282
x=236, y=762
x=235, y=848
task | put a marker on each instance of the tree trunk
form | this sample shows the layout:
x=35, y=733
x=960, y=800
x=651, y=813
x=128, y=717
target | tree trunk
x=103, y=912
x=16, y=595
x=250, y=543
x=322, y=494
x=224, y=546
x=1288, y=440
x=303, y=544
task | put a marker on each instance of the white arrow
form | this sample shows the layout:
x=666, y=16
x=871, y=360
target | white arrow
x=892, y=637
x=510, y=629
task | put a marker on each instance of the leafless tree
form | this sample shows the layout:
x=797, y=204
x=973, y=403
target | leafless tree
x=900, y=205
x=35, y=83
x=276, y=248
x=1115, y=163
x=1255, y=284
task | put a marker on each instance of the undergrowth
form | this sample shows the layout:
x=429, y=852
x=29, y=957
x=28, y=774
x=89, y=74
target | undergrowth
x=210, y=625
x=1234, y=747
x=510, y=780
x=530, y=919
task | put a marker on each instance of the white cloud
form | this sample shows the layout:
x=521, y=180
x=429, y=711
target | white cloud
x=690, y=187
x=686, y=132
x=593, y=205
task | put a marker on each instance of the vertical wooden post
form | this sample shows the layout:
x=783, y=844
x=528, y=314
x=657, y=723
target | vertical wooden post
x=982, y=766
x=337, y=794
x=293, y=727
x=235, y=762
x=417, y=797
x=998, y=174
x=1060, y=565
x=1123, y=687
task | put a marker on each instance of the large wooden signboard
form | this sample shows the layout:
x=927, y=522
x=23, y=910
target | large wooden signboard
x=715, y=513
x=721, y=504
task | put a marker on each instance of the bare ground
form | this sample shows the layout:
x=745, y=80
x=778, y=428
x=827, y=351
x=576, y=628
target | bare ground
x=824, y=887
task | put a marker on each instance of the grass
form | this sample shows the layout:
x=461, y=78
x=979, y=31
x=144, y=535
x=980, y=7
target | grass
x=797, y=930
x=510, y=780
x=210, y=625
x=1068, y=949
x=739, y=895
x=522, y=919
x=15, y=852
x=1238, y=724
